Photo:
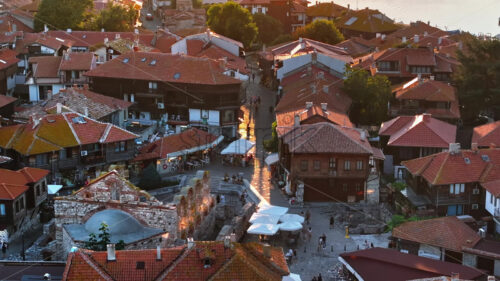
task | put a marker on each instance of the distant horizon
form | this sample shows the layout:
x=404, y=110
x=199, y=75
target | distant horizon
x=466, y=15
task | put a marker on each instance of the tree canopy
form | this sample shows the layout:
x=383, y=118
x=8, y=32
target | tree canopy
x=478, y=79
x=62, y=14
x=370, y=96
x=233, y=21
x=320, y=30
x=150, y=178
x=114, y=18
x=100, y=241
x=269, y=28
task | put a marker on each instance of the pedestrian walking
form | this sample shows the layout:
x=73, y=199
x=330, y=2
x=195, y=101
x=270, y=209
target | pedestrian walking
x=319, y=278
x=258, y=100
x=309, y=234
x=4, y=249
x=308, y=216
x=320, y=244
x=253, y=77
x=332, y=222
x=323, y=237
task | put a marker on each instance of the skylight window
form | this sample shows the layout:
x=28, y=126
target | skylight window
x=177, y=75
x=125, y=60
x=467, y=160
x=143, y=59
x=485, y=158
x=153, y=62
x=79, y=120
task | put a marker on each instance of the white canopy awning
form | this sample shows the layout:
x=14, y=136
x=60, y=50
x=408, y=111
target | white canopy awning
x=239, y=147
x=264, y=218
x=290, y=226
x=195, y=149
x=54, y=188
x=263, y=229
x=292, y=218
x=272, y=210
x=272, y=158
x=291, y=277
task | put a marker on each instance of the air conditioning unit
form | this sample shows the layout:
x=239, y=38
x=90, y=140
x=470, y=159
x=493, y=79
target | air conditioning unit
x=475, y=206
x=160, y=105
x=83, y=153
x=475, y=191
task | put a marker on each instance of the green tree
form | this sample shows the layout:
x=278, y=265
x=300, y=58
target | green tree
x=150, y=178
x=113, y=18
x=233, y=21
x=271, y=145
x=62, y=14
x=269, y=28
x=370, y=96
x=478, y=78
x=99, y=242
x=320, y=30
x=282, y=39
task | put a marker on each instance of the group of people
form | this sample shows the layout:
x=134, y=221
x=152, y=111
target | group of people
x=317, y=278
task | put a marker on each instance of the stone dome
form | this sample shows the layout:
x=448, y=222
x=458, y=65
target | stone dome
x=119, y=222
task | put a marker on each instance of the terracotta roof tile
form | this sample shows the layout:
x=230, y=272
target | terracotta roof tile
x=14, y=183
x=355, y=46
x=5, y=100
x=190, y=138
x=11, y=192
x=318, y=138
x=199, y=48
x=486, y=135
x=8, y=23
x=7, y=58
x=305, y=46
x=330, y=10
x=446, y=168
x=367, y=20
x=46, y=66
x=92, y=38
x=418, y=28
x=77, y=61
x=418, y=131
x=166, y=67
x=241, y=261
x=428, y=90
x=446, y=232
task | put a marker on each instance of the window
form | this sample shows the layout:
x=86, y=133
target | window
x=359, y=165
x=153, y=85
x=475, y=206
x=2, y=210
x=44, y=187
x=344, y=187
x=457, y=188
x=358, y=187
x=332, y=163
x=120, y=146
x=37, y=190
x=17, y=206
x=41, y=159
x=317, y=165
x=22, y=202
x=491, y=198
x=347, y=165
x=303, y=165
x=62, y=154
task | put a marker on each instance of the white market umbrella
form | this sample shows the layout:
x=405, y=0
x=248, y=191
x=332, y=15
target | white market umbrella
x=292, y=218
x=240, y=147
x=264, y=218
x=272, y=210
x=54, y=188
x=290, y=226
x=263, y=229
x=272, y=159
x=291, y=277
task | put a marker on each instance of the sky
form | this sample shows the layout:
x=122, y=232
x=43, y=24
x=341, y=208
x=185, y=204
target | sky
x=475, y=16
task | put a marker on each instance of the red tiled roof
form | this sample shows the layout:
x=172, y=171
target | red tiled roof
x=77, y=61
x=241, y=261
x=418, y=131
x=53, y=42
x=418, y=28
x=254, y=2
x=446, y=232
x=7, y=58
x=355, y=46
x=198, y=48
x=7, y=24
x=319, y=137
x=167, y=67
x=11, y=192
x=306, y=45
x=5, y=100
x=487, y=135
x=405, y=56
x=46, y=66
x=57, y=131
x=367, y=20
x=190, y=138
x=446, y=168
x=428, y=90
x=375, y=264
x=330, y=10
x=92, y=38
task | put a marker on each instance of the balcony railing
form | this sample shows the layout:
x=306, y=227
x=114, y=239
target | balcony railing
x=93, y=159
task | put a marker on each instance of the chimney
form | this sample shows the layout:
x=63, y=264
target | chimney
x=348, y=7
x=117, y=36
x=227, y=241
x=158, y=253
x=296, y=120
x=425, y=33
x=47, y=276
x=440, y=40
x=300, y=39
x=313, y=88
x=420, y=77
x=136, y=31
x=474, y=146
x=415, y=38
x=86, y=111
x=111, y=252
x=36, y=121
x=309, y=104
x=432, y=77
x=403, y=39
x=266, y=250
x=454, y=148
x=324, y=106
x=68, y=30
x=383, y=37
x=102, y=29
x=58, y=108
x=66, y=55
x=45, y=28
x=460, y=45
x=106, y=40
x=190, y=242
x=426, y=117
x=455, y=276
x=362, y=135
x=377, y=35
x=14, y=27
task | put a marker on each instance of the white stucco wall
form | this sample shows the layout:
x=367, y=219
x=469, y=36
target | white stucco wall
x=213, y=116
x=179, y=47
x=293, y=63
x=490, y=208
x=336, y=65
